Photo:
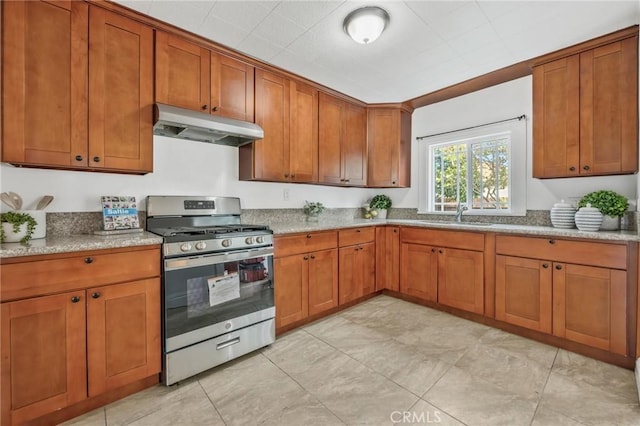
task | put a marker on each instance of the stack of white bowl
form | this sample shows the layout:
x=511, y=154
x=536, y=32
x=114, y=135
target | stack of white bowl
x=563, y=215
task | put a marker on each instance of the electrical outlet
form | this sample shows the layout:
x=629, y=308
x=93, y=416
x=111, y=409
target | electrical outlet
x=285, y=194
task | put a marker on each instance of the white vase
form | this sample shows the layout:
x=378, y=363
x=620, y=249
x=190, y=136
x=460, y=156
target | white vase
x=610, y=223
x=13, y=237
x=588, y=219
x=40, y=217
x=382, y=214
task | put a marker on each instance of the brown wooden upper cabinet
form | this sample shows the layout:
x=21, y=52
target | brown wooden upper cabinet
x=191, y=76
x=77, y=89
x=585, y=113
x=342, y=151
x=389, y=137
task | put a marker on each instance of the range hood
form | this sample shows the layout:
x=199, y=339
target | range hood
x=183, y=123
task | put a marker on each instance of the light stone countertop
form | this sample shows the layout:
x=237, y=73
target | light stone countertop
x=547, y=231
x=73, y=243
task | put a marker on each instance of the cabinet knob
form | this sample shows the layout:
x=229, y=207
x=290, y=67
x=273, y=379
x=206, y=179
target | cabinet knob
x=96, y=159
x=306, y=258
x=346, y=180
x=552, y=241
x=433, y=250
x=308, y=235
x=286, y=175
x=313, y=256
x=293, y=176
x=88, y=260
x=95, y=295
x=558, y=267
x=572, y=169
x=586, y=167
x=75, y=299
x=214, y=109
x=357, y=230
x=78, y=157
x=440, y=251
x=341, y=180
x=393, y=183
x=545, y=265
x=395, y=231
x=205, y=107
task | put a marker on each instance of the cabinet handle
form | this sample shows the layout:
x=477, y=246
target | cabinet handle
x=572, y=169
x=545, y=265
x=95, y=295
x=395, y=231
x=393, y=183
x=558, y=267
x=286, y=175
x=308, y=235
x=341, y=180
x=586, y=167
x=440, y=251
x=205, y=107
x=313, y=256
x=306, y=258
x=357, y=230
x=88, y=260
x=96, y=159
x=346, y=180
x=75, y=299
x=293, y=176
x=433, y=250
x=552, y=241
x=214, y=109
x=78, y=157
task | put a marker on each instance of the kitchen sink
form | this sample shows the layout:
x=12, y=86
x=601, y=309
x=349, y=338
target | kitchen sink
x=448, y=222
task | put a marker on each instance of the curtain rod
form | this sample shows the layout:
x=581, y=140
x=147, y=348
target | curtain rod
x=520, y=117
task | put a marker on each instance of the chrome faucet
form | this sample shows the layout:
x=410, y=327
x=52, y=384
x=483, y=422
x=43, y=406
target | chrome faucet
x=459, y=210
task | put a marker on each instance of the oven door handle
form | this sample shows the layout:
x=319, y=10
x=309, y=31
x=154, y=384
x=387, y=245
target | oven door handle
x=214, y=259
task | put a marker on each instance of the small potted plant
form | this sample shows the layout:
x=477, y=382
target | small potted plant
x=313, y=209
x=611, y=204
x=16, y=227
x=381, y=203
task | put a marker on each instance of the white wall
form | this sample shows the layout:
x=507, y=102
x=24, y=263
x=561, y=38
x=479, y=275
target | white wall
x=500, y=102
x=180, y=167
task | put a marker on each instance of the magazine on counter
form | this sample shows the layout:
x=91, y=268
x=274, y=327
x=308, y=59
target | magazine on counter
x=119, y=212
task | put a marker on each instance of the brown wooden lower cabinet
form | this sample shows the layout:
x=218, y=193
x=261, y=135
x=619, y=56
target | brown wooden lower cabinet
x=357, y=271
x=388, y=258
x=419, y=271
x=306, y=284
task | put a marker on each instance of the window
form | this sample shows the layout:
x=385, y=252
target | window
x=483, y=169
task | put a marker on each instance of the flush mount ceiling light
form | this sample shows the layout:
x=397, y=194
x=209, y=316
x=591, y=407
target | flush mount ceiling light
x=365, y=25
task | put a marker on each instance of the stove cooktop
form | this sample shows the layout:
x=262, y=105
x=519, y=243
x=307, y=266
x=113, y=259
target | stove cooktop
x=220, y=231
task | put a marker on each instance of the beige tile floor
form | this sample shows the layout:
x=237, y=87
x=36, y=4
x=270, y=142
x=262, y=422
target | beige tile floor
x=387, y=362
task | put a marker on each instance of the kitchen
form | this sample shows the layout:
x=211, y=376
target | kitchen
x=185, y=168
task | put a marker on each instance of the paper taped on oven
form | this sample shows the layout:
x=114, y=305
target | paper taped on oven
x=224, y=288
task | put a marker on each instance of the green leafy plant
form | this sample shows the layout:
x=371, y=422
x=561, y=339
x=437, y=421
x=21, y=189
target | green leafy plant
x=609, y=203
x=17, y=220
x=380, y=202
x=313, y=208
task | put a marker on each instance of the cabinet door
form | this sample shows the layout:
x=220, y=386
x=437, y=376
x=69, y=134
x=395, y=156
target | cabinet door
x=384, y=138
x=419, y=271
x=44, y=83
x=367, y=266
x=388, y=258
x=232, y=88
x=330, y=122
x=461, y=279
x=523, y=292
x=323, y=281
x=43, y=355
x=271, y=154
x=556, y=126
x=609, y=108
x=590, y=305
x=123, y=334
x=182, y=73
x=303, y=143
x=292, y=286
x=350, y=282
x=354, y=145
x=120, y=93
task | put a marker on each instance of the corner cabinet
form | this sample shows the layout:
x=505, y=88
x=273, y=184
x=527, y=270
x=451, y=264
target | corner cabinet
x=342, y=155
x=357, y=263
x=389, y=140
x=95, y=111
x=63, y=342
x=388, y=258
x=585, y=113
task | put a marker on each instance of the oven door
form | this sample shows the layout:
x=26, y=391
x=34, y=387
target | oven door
x=209, y=295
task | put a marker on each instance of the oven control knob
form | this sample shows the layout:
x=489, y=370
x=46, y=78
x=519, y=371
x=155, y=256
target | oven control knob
x=201, y=245
x=259, y=240
x=226, y=243
x=185, y=247
x=249, y=240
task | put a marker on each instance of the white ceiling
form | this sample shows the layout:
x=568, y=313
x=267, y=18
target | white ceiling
x=427, y=46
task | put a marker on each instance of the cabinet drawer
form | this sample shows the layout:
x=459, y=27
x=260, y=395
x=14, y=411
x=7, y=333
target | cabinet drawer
x=305, y=243
x=89, y=269
x=349, y=237
x=435, y=237
x=580, y=252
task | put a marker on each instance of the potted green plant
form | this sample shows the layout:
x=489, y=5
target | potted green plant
x=611, y=204
x=381, y=203
x=313, y=209
x=16, y=227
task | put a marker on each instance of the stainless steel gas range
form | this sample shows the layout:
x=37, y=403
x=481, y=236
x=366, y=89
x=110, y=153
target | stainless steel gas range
x=218, y=296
